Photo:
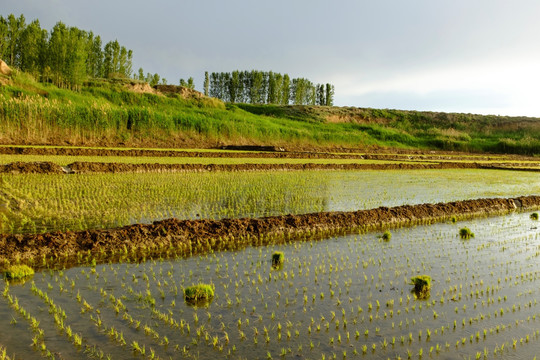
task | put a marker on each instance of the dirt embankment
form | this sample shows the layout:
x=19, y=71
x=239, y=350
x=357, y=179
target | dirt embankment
x=45, y=167
x=251, y=152
x=184, y=237
x=97, y=167
x=90, y=167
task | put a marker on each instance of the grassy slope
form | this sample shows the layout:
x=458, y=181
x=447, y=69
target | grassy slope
x=105, y=113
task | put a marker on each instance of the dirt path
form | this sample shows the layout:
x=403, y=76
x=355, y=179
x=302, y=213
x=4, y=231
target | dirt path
x=174, y=237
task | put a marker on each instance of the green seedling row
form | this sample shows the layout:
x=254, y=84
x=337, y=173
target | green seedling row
x=343, y=297
x=37, y=203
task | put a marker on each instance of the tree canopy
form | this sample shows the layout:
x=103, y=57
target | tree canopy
x=65, y=56
x=260, y=87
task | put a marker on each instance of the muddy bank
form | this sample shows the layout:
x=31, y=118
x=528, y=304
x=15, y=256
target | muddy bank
x=44, y=167
x=184, y=237
x=90, y=167
x=251, y=152
x=96, y=167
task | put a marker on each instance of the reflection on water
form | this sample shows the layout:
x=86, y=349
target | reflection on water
x=338, y=297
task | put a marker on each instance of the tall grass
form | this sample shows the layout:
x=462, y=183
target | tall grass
x=107, y=113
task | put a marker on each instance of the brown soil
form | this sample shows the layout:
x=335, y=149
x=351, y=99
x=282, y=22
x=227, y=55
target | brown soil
x=44, y=167
x=184, y=237
x=96, y=167
x=250, y=152
x=4, y=68
x=185, y=92
x=89, y=167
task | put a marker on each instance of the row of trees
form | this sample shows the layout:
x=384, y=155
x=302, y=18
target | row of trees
x=260, y=87
x=65, y=56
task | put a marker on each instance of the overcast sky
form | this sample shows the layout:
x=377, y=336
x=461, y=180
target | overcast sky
x=472, y=56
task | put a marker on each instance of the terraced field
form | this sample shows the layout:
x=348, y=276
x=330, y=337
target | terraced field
x=343, y=290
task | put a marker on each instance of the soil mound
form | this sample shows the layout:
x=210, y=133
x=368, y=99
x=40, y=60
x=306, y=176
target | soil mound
x=45, y=167
x=4, y=68
x=185, y=237
x=183, y=91
x=141, y=87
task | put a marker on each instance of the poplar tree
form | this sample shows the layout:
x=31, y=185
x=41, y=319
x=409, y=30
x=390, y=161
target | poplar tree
x=330, y=90
x=33, y=41
x=15, y=27
x=286, y=90
x=206, y=83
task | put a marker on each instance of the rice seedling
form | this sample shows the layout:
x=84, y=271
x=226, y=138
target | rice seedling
x=199, y=292
x=465, y=233
x=77, y=203
x=534, y=216
x=422, y=286
x=277, y=258
x=14, y=272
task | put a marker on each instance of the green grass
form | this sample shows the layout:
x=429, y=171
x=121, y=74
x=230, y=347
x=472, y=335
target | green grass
x=18, y=272
x=107, y=113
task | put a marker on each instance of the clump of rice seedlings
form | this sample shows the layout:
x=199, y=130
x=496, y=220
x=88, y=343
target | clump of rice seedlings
x=387, y=235
x=465, y=233
x=199, y=293
x=277, y=258
x=534, y=216
x=18, y=272
x=422, y=286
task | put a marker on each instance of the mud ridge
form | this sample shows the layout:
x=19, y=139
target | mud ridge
x=186, y=237
x=97, y=167
x=246, y=152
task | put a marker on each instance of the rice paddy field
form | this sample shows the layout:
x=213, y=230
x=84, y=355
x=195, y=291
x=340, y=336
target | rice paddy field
x=344, y=296
x=38, y=203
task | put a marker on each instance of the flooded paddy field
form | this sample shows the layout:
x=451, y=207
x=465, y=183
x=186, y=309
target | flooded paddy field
x=342, y=297
x=34, y=203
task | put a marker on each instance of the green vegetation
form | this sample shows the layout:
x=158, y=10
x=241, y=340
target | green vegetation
x=103, y=110
x=18, y=272
x=277, y=258
x=422, y=286
x=37, y=203
x=259, y=87
x=65, y=56
x=109, y=113
x=199, y=292
x=387, y=235
x=465, y=233
x=534, y=216
x=341, y=295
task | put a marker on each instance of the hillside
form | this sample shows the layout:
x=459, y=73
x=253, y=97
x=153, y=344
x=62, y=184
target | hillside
x=131, y=113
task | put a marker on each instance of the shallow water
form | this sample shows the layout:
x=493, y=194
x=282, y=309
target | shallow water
x=325, y=292
x=36, y=203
